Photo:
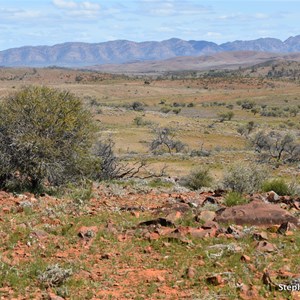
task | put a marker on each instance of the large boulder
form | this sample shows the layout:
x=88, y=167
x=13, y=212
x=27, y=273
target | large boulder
x=255, y=213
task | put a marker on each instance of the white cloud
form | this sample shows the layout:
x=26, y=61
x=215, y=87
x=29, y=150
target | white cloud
x=213, y=34
x=163, y=9
x=261, y=16
x=165, y=29
x=90, y=6
x=172, y=8
x=19, y=14
x=65, y=4
x=77, y=6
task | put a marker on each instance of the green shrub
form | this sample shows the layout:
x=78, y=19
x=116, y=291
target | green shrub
x=198, y=179
x=138, y=121
x=45, y=135
x=226, y=116
x=176, y=111
x=279, y=186
x=165, y=109
x=234, y=198
x=138, y=106
x=159, y=183
x=244, y=178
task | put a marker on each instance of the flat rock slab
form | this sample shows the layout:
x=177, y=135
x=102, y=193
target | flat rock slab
x=255, y=213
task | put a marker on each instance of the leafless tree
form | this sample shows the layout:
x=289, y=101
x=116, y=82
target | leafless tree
x=112, y=168
x=278, y=146
x=165, y=138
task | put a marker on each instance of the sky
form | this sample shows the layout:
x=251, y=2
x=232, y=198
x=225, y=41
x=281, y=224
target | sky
x=50, y=22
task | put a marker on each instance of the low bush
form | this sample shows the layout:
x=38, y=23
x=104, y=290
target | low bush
x=54, y=275
x=244, y=178
x=138, y=106
x=279, y=186
x=234, y=198
x=165, y=109
x=45, y=137
x=225, y=116
x=197, y=179
x=176, y=111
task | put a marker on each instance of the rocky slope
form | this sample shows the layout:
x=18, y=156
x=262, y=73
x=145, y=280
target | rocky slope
x=127, y=243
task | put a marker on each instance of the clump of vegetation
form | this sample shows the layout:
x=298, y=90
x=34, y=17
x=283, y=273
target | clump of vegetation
x=201, y=152
x=246, y=104
x=45, y=136
x=244, y=178
x=138, y=106
x=246, y=129
x=276, y=145
x=197, y=179
x=159, y=183
x=279, y=186
x=227, y=116
x=176, y=111
x=234, y=198
x=178, y=104
x=164, y=141
x=274, y=112
x=165, y=109
x=54, y=275
x=110, y=166
x=140, y=121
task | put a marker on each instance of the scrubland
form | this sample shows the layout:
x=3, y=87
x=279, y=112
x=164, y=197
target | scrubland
x=168, y=231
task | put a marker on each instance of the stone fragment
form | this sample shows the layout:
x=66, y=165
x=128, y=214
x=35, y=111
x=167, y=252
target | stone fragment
x=215, y=280
x=249, y=293
x=260, y=236
x=52, y=296
x=205, y=216
x=272, y=196
x=159, y=221
x=245, y=258
x=286, y=227
x=265, y=246
x=87, y=232
x=190, y=272
x=255, y=213
x=295, y=295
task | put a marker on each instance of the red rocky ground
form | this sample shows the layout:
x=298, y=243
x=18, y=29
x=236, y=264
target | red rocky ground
x=148, y=245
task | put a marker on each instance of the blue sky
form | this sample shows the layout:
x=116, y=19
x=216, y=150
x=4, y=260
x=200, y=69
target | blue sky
x=49, y=22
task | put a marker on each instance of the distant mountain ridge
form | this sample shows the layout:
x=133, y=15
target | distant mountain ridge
x=77, y=54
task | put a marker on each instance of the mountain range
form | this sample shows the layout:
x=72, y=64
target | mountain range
x=77, y=54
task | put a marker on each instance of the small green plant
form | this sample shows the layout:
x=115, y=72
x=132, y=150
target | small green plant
x=244, y=178
x=198, y=179
x=226, y=116
x=234, y=198
x=138, y=121
x=279, y=186
x=176, y=111
x=54, y=275
x=158, y=182
x=165, y=109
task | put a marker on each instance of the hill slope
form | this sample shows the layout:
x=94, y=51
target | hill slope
x=224, y=60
